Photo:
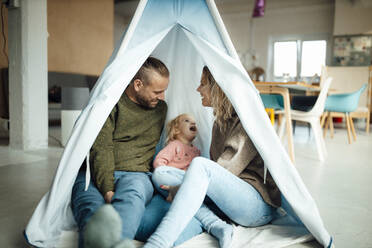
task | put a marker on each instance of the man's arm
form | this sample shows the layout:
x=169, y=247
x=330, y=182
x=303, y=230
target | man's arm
x=102, y=158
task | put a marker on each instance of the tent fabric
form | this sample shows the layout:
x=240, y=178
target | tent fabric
x=268, y=236
x=185, y=35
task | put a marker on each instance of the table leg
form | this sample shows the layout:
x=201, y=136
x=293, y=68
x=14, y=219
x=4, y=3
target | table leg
x=287, y=113
x=352, y=127
x=348, y=127
x=331, y=128
x=287, y=116
x=326, y=125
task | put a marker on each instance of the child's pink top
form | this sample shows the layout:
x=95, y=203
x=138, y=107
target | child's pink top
x=176, y=154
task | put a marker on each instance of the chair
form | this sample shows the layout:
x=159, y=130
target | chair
x=272, y=103
x=302, y=103
x=271, y=113
x=348, y=79
x=313, y=117
x=344, y=104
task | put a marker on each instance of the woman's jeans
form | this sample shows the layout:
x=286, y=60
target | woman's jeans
x=167, y=175
x=140, y=212
x=236, y=198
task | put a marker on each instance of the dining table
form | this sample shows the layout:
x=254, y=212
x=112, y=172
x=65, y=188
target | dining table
x=282, y=88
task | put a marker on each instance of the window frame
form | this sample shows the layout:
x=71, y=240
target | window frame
x=299, y=40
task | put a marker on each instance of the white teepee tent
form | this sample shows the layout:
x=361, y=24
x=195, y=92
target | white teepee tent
x=185, y=35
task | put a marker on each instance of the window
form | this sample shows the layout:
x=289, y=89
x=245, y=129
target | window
x=285, y=58
x=313, y=57
x=298, y=59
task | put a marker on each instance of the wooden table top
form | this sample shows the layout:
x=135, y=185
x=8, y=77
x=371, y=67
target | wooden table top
x=292, y=85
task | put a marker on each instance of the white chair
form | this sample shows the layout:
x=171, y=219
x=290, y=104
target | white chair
x=313, y=117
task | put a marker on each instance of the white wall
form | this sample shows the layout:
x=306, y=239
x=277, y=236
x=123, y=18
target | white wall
x=285, y=18
x=353, y=18
x=28, y=75
x=282, y=18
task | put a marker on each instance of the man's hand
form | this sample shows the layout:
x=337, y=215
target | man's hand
x=172, y=191
x=108, y=196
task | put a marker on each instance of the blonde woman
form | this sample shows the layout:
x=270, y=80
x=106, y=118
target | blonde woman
x=234, y=177
x=170, y=165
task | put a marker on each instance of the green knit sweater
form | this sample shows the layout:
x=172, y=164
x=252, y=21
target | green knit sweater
x=126, y=142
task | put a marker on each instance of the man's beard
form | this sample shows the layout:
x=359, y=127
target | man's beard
x=144, y=102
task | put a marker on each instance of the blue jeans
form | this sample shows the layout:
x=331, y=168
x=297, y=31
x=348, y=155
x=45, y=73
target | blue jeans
x=236, y=198
x=139, y=222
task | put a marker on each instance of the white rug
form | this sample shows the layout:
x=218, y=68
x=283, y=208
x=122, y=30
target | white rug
x=269, y=236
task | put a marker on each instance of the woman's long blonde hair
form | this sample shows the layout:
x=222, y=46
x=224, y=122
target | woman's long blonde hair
x=222, y=107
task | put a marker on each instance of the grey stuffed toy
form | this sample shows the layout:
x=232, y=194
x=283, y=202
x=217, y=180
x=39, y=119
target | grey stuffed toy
x=103, y=230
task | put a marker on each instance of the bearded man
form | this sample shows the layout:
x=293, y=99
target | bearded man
x=121, y=158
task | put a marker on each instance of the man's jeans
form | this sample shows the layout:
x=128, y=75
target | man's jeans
x=237, y=199
x=140, y=213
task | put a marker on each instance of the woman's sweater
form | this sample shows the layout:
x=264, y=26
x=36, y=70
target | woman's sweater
x=234, y=150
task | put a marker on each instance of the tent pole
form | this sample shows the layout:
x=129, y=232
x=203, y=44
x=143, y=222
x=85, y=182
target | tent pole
x=221, y=27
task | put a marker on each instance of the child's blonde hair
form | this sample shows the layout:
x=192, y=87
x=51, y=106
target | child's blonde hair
x=172, y=128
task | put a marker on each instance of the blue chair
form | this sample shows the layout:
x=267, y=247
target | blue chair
x=275, y=102
x=272, y=102
x=344, y=104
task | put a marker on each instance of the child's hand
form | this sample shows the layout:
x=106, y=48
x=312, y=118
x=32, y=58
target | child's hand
x=108, y=196
x=172, y=191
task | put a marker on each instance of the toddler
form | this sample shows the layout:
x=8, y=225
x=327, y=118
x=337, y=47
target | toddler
x=171, y=163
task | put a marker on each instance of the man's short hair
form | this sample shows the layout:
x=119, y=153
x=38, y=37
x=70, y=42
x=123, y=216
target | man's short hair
x=151, y=65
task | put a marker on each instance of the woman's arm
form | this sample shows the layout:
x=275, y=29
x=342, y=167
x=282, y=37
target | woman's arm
x=238, y=152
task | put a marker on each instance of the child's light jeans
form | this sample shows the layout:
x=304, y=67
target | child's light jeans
x=167, y=175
